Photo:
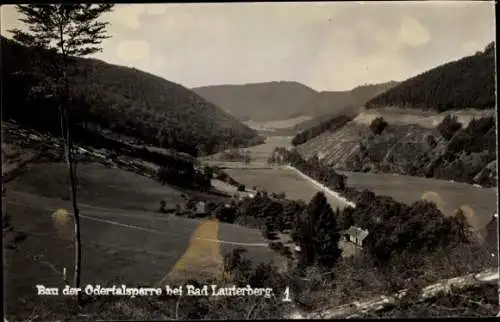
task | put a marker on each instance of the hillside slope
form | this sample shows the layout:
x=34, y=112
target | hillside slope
x=332, y=103
x=412, y=145
x=270, y=101
x=466, y=83
x=413, y=142
x=123, y=100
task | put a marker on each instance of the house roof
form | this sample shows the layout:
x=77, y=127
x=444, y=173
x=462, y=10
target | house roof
x=357, y=232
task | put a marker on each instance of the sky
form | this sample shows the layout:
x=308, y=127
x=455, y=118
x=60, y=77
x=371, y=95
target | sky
x=324, y=45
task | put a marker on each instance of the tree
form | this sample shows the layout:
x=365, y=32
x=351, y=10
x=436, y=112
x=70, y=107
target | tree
x=68, y=30
x=317, y=235
x=449, y=126
x=378, y=125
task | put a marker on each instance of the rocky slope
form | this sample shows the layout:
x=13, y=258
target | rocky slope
x=414, y=142
x=412, y=145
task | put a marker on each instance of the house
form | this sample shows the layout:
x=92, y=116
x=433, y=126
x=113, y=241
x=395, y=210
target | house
x=201, y=207
x=355, y=235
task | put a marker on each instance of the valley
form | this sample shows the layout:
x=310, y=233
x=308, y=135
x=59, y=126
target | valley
x=345, y=158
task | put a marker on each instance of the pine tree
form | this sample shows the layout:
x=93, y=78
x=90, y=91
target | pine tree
x=68, y=30
x=317, y=234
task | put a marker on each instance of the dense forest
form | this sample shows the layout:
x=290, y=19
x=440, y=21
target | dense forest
x=465, y=83
x=125, y=101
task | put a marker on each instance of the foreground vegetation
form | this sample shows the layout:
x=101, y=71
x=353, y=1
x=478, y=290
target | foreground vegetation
x=412, y=246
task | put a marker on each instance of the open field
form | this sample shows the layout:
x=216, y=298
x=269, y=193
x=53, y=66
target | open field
x=258, y=153
x=281, y=180
x=276, y=125
x=98, y=186
x=447, y=195
x=261, y=152
x=124, y=239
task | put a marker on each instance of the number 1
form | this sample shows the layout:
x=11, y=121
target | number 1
x=286, y=294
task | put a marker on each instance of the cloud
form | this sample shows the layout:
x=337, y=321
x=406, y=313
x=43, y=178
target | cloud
x=133, y=50
x=156, y=9
x=326, y=45
x=470, y=47
x=129, y=15
x=412, y=33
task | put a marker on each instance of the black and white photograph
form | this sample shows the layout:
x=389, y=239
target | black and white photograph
x=249, y=160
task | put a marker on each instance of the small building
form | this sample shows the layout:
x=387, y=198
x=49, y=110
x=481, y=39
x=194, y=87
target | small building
x=355, y=235
x=201, y=207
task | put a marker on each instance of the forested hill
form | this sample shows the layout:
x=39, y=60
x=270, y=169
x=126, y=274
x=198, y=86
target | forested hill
x=337, y=102
x=465, y=83
x=269, y=101
x=330, y=104
x=119, y=99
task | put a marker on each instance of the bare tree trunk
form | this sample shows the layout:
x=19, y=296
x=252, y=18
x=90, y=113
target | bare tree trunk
x=76, y=211
x=72, y=177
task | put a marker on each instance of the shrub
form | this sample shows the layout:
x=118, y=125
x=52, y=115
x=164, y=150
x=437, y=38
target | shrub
x=378, y=125
x=241, y=187
x=449, y=126
x=431, y=141
x=277, y=246
x=163, y=205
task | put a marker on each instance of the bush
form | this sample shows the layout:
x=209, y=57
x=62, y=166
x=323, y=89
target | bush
x=225, y=214
x=241, y=188
x=431, y=141
x=378, y=125
x=448, y=126
x=276, y=246
x=163, y=205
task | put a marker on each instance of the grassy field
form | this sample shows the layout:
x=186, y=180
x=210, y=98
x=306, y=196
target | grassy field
x=280, y=180
x=478, y=203
x=277, y=125
x=124, y=238
x=98, y=185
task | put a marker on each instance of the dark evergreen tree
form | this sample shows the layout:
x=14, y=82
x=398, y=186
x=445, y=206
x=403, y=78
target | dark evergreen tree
x=317, y=234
